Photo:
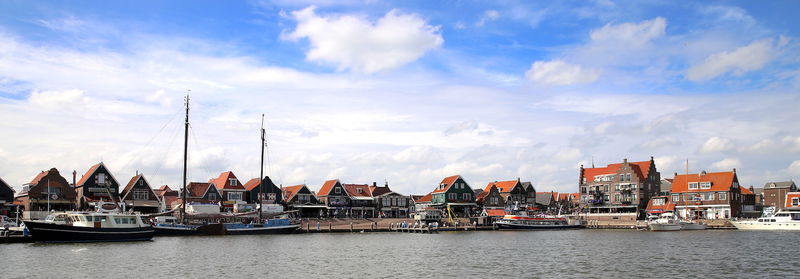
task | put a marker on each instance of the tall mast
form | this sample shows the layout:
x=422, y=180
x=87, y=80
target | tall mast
x=261, y=174
x=185, y=157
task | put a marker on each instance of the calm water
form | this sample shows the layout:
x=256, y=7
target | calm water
x=546, y=254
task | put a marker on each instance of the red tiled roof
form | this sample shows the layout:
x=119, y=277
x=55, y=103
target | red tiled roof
x=495, y=212
x=353, y=190
x=642, y=170
x=667, y=206
x=291, y=191
x=379, y=190
x=88, y=174
x=130, y=184
x=502, y=186
x=197, y=189
x=39, y=177
x=165, y=188
x=165, y=191
x=564, y=196
x=481, y=195
x=789, y=197
x=720, y=181
x=425, y=198
x=252, y=184
x=326, y=187
x=745, y=191
x=575, y=196
x=221, y=182
x=447, y=181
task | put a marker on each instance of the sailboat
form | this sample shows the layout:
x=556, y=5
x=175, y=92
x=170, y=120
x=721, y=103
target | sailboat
x=273, y=223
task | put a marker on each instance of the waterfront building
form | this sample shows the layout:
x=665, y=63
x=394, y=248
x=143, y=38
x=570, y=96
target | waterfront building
x=568, y=202
x=300, y=198
x=531, y=194
x=747, y=199
x=455, y=197
x=775, y=193
x=97, y=184
x=335, y=198
x=202, y=192
x=707, y=195
x=792, y=201
x=138, y=195
x=272, y=193
x=619, y=191
x=658, y=205
x=230, y=189
x=512, y=193
x=390, y=204
x=666, y=187
x=47, y=191
x=546, y=201
x=490, y=198
x=167, y=196
x=362, y=204
x=423, y=202
x=6, y=197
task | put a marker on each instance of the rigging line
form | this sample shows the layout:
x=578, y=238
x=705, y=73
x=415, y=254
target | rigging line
x=198, y=149
x=153, y=138
x=166, y=152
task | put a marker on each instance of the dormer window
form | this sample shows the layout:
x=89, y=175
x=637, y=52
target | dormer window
x=705, y=185
x=359, y=190
x=692, y=185
x=232, y=181
x=337, y=190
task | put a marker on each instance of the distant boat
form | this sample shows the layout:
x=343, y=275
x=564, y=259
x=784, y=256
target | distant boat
x=90, y=227
x=520, y=220
x=665, y=222
x=780, y=221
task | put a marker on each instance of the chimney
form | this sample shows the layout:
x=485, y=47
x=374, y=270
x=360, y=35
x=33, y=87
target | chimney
x=734, y=170
x=374, y=184
x=137, y=172
x=751, y=189
x=675, y=175
x=625, y=161
x=74, y=175
x=704, y=172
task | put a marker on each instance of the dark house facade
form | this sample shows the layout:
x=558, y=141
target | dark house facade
x=138, y=195
x=47, y=191
x=272, y=193
x=335, y=198
x=97, y=184
x=300, y=198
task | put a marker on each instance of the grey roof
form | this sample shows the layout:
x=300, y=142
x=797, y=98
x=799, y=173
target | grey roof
x=544, y=199
x=527, y=184
x=758, y=191
x=781, y=184
x=666, y=186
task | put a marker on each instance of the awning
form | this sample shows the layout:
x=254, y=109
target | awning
x=362, y=198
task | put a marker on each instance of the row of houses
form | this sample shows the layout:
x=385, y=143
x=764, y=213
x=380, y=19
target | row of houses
x=632, y=190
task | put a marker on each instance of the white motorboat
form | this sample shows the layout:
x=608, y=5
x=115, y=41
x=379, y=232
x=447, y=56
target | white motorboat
x=665, y=222
x=692, y=226
x=783, y=221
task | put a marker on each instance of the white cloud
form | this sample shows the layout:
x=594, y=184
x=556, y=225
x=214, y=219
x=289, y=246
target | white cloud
x=489, y=15
x=469, y=125
x=727, y=164
x=794, y=168
x=635, y=34
x=661, y=143
x=355, y=43
x=739, y=61
x=717, y=144
x=65, y=99
x=558, y=72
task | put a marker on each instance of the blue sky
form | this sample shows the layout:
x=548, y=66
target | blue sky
x=406, y=91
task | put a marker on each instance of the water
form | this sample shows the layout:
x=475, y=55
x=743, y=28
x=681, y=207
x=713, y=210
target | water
x=539, y=254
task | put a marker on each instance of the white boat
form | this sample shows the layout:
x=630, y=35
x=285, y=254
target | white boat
x=521, y=221
x=665, y=222
x=781, y=221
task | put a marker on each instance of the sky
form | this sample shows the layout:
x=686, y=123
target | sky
x=399, y=92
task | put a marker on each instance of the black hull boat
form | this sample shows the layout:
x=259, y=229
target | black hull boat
x=502, y=226
x=51, y=232
x=242, y=229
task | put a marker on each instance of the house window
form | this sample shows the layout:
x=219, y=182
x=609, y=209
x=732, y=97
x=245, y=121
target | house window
x=633, y=197
x=676, y=197
x=140, y=195
x=658, y=202
x=466, y=196
x=101, y=179
x=705, y=185
x=271, y=196
x=451, y=196
x=633, y=186
x=234, y=196
x=795, y=201
x=616, y=187
x=337, y=190
x=723, y=196
x=583, y=190
x=605, y=197
x=141, y=182
x=212, y=196
x=232, y=181
x=358, y=190
x=621, y=177
x=692, y=185
x=628, y=177
x=616, y=198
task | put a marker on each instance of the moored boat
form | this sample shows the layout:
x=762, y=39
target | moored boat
x=665, y=222
x=90, y=227
x=780, y=221
x=521, y=221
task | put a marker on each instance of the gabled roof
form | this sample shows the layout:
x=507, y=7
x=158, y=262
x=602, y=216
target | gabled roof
x=197, y=189
x=326, y=187
x=132, y=184
x=88, y=174
x=164, y=190
x=3, y=183
x=779, y=184
x=353, y=190
x=252, y=184
x=546, y=197
x=789, y=197
x=221, y=182
x=667, y=206
x=745, y=191
x=564, y=196
x=642, y=170
x=291, y=191
x=720, y=181
x=447, y=182
x=379, y=190
x=39, y=177
x=502, y=186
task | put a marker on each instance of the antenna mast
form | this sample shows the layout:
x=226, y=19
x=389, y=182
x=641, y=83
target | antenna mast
x=185, y=156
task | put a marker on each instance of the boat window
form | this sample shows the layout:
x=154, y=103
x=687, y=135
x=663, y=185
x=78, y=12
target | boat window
x=100, y=218
x=795, y=216
x=772, y=220
x=117, y=220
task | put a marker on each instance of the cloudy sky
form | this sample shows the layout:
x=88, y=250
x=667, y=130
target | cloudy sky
x=404, y=91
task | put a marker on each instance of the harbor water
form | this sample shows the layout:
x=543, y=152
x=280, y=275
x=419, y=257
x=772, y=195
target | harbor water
x=482, y=254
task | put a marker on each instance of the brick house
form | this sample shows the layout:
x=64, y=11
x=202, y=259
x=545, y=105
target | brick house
x=707, y=195
x=619, y=188
x=490, y=198
x=47, y=191
x=230, y=189
x=775, y=193
x=389, y=204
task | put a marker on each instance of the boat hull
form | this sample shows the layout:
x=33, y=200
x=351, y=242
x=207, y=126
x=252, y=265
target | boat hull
x=49, y=232
x=286, y=229
x=176, y=230
x=664, y=227
x=764, y=226
x=505, y=226
x=693, y=226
